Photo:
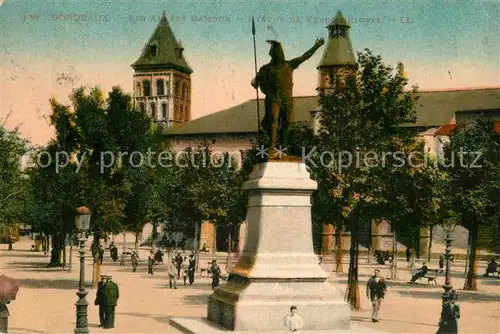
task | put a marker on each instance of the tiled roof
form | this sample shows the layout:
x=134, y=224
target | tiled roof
x=168, y=50
x=435, y=109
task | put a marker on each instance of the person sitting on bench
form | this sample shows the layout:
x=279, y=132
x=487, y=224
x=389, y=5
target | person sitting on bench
x=491, y=268
x=420, y=273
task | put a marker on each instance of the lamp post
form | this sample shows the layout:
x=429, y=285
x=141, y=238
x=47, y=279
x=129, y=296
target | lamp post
x=82, y=221
x=449, y=222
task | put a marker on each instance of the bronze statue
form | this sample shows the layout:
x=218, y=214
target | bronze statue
x=276, y=82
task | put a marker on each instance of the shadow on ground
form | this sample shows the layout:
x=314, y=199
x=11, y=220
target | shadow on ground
x=160, y=319
x=23, y=330
x=367, y=319
x=491, y=281
x=196, y=299
x=469, y=296
x=62, y=284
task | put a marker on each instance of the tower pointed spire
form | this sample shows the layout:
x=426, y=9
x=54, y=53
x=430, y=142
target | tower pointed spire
x=162, y=50
x=338, y=49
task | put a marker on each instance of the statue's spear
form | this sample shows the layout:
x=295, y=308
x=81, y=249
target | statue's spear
x=256, y=88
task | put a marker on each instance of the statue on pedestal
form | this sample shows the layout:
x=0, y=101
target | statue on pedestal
x=276, y=82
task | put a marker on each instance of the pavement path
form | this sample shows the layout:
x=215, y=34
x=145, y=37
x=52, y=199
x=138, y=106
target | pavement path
x=45, y=303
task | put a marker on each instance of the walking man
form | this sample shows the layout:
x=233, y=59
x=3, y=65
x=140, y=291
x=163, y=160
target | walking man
x=4, y=317
x=111, y=295
x=151, y=262
x=172, y=273
x=101, y=301
x=191, y=269
x=376, y=290
x=215, y=271
x=134, y=257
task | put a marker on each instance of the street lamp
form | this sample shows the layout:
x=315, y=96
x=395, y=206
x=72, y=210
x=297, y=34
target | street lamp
x=449, y=223
x=82, y=221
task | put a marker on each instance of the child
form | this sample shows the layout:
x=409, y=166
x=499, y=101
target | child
x=293, y=321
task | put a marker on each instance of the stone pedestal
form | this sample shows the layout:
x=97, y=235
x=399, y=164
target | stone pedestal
x=278, y=268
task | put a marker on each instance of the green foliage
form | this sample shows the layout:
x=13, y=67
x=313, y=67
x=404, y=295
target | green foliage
x=472, y=164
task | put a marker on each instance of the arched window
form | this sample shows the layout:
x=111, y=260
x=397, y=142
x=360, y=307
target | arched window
x=160, y=87
x=177, y=88
x=167, y=88
x=138, y=89
x=153, y=111
x=164, y=111
x=147, y=87
x=141, y=107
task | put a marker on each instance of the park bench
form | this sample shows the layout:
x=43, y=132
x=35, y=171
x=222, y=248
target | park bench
x=431, y=276
x=207, y=269
x=205, y=250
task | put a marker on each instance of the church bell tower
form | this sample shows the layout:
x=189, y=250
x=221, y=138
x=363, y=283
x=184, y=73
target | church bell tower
x=338, y=56
x=337, y=61
x=162, y=78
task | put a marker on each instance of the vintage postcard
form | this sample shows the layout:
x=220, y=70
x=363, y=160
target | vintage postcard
x=206, y=166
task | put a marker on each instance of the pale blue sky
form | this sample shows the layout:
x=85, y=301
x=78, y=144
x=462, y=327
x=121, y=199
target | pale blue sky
x=436, y=37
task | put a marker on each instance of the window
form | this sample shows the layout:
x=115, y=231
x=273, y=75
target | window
x=167, y=88
x=153, y=50
x=147, y=88
x=164, y=111
x=177, y=88
x=160, y=87
x=141, y=107
x=153, y=111
x=138, y=89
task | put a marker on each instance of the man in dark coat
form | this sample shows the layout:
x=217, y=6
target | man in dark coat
x=215, y=271
x=101, y=254
x=191, y=269
x=420, y=273
x=111, y=295
x=450, y=313
x=376, y=290
x=101, y=301
x=178, y=264
x=4, y=317
x=135, y=260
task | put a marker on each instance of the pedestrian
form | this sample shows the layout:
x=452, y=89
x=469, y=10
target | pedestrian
x=191, y=268
x=215, y=271
x=408, y=254
x=101, y=253
x=178, y=261
x=184, y=269
x=151, y=262
x=113, y=250
x=111, y=295
x=293, y=321
x=122, y=259
x=376, y=290
x=101, y=301
x=450, y=313
x=4, y=317
x=159, y=256
x=172, y=273
x=134, y=258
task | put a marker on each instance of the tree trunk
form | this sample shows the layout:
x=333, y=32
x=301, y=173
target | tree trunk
x=470, y=280
x=196, y=247
x=70, y=254
x=339, y=256
x=394, y=264
x=137, y=237
x=369, y=258
x=429, y=253
x=124, y=241
x=352, y=293
x=10, y=244
x=55, y=254
x=468, y=254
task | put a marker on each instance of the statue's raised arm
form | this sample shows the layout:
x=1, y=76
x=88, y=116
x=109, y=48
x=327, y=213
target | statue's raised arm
x=295, y=62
